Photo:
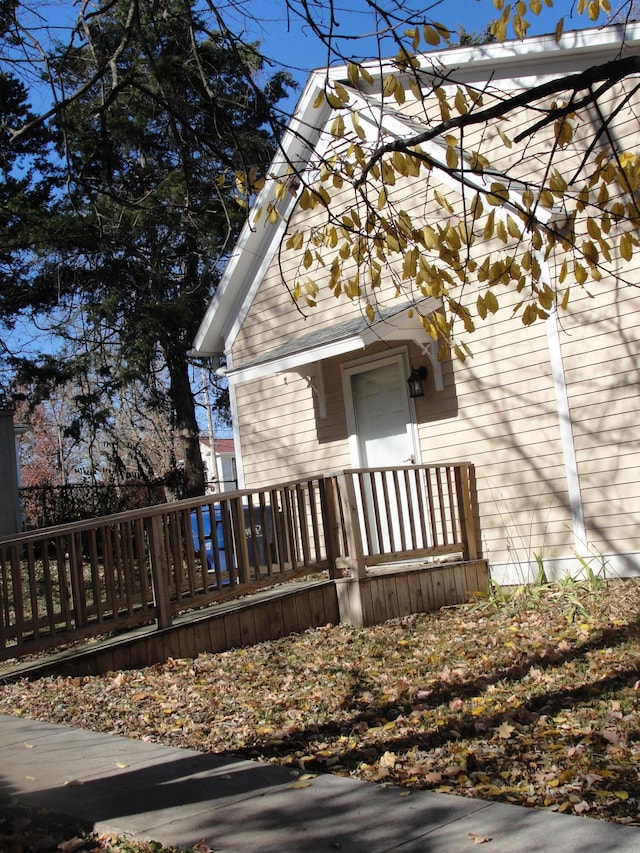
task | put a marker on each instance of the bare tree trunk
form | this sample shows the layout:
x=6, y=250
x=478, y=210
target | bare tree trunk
x=186, y=424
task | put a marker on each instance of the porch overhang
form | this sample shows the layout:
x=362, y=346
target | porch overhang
x=396, y=324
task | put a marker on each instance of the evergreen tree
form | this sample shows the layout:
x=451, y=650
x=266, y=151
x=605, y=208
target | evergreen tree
x=152, y=154
x=26, y=189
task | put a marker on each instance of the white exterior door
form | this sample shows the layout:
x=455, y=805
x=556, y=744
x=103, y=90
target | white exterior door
x=382, y=415
x=379, y=412
x=382, y=432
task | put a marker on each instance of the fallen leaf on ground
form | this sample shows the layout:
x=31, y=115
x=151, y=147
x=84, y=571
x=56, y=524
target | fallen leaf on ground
x=511, y=701
x=479, y=839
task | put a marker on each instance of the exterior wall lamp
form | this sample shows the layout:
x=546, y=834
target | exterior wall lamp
x=416, y=381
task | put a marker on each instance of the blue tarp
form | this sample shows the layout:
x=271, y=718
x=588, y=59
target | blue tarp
x=206, y=529
x=251, y=532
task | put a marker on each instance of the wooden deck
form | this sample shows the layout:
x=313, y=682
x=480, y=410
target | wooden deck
x=388, y=593
x=185, y=584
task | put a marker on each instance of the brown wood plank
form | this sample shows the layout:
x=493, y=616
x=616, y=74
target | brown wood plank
x=442, y=506
x=477, y=576
x=439, y=589
x=232, y=630
x=5, y=597
x=316, y=521
x=414, y=587
x=391, y=595
x=331, y=604
x=403, y=595
x=422, y=507
x=109, y=660
x=410, y=491
x=51, y=609
x=461, y=583
x=133, y=597
x=95, y=573
x=303, y=608
x=351, y=523
x=303, y=522
x=144, y=564
x=109, y=578
x=186, y=640
x=399, y=507
x=217, y=635
x=366, y=598
x=33, y=589
x=262, y=620
x=171, y=643
x=316, y=604
x=19, y=620
x=139, y=655
x=265, y=553
x=250, y=525
x=441, y=551
x=290, y=621
x=247, y=626
x=378, y=600
x=431, y=506
x=276, y=619
x=155, y=647
x=386, y=504
x=279, y=531
x=449, y=583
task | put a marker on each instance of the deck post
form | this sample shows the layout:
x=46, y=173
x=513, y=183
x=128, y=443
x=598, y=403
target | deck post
x=78, y=590
x=351, y=607
x=467, y=503
x=352, y=529
x=241, y=548
x=331, y=520
x=158, y=558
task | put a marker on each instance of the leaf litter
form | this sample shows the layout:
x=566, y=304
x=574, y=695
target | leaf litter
x=532, y=700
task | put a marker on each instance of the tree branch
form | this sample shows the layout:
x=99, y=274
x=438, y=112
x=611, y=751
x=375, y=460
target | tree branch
x=611, y=72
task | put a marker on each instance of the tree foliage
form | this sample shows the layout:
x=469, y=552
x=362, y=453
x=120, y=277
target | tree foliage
x=475, y=191
x=150, y=153
x=26, y=189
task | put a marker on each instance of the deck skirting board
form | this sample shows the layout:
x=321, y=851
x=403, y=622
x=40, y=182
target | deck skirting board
x=384, y=593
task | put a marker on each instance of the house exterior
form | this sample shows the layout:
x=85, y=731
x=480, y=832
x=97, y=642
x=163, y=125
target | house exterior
x=548, y=413
x=10, y=520
x=219, y=460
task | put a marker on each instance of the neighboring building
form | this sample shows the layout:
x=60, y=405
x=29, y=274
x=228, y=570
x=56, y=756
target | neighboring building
x=219, y=463
x=10, y=522
x=548, y=414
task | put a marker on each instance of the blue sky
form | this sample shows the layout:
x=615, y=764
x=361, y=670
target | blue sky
x=289, y=44
x=293, y=46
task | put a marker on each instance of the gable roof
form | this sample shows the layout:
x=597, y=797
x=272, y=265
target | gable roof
x=514, y=61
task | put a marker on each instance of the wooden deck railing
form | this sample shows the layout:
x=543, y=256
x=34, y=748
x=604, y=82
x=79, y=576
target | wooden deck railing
x=146, y=566
x=392, y=514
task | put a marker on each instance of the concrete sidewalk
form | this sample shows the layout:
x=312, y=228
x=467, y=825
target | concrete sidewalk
x=179, y=797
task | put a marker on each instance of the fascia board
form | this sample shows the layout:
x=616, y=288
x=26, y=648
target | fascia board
x=399, y=325
x=523, y=58
x=294, y=361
